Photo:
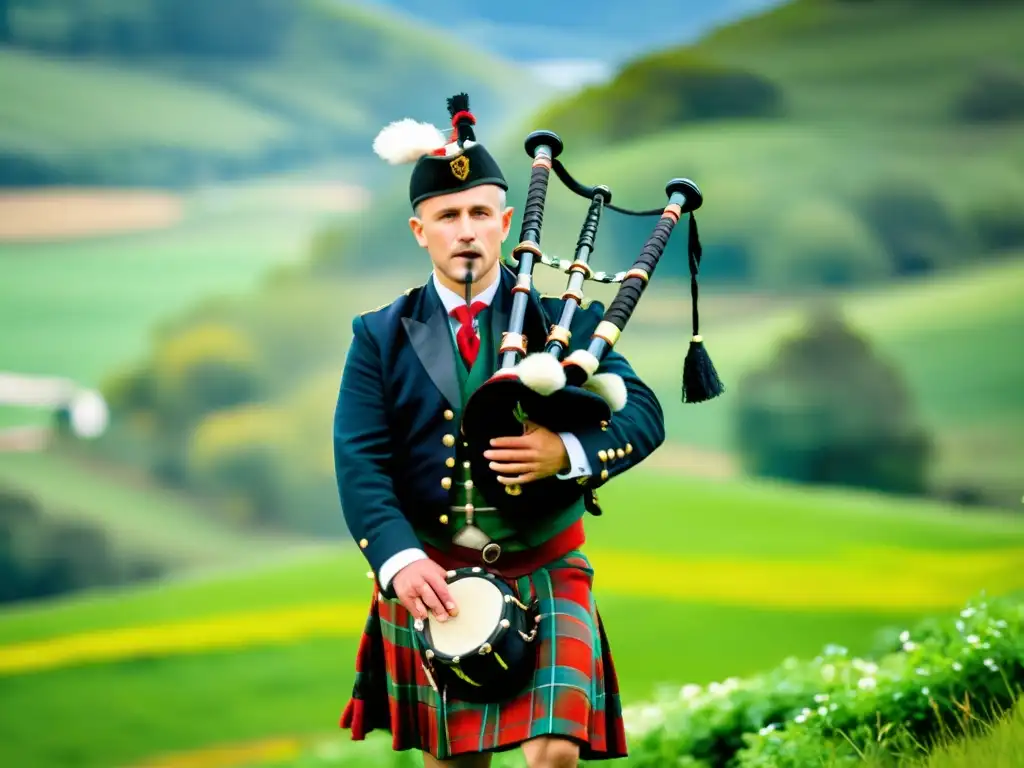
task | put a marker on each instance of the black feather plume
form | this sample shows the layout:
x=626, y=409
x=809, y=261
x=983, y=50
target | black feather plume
x=458, y=103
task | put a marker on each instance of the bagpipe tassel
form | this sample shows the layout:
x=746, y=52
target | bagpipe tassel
x=700, y=379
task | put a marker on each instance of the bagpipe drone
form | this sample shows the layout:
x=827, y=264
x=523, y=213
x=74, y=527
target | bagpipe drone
x=567, y=393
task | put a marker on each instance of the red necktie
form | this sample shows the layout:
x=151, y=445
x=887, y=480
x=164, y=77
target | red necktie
x=466, y=338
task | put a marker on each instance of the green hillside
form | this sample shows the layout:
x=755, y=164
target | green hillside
x=316, y=82
x=268, y=652
x=950, y=338
x=828, y=137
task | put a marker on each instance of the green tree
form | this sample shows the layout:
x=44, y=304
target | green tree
x=827, y=409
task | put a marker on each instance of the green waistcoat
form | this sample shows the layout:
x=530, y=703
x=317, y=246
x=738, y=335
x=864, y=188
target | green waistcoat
x=492, y=522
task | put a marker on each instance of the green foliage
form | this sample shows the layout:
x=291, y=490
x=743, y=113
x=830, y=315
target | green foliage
x=917, y=230
x=805, y=711
x=828, y=409
x=944, y=669
x=817, y=243
x=996, y=212
x=659, y=92
x=42, y=556
x=994, y=95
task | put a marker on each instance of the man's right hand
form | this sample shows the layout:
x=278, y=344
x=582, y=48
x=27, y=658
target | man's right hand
x=421, y=585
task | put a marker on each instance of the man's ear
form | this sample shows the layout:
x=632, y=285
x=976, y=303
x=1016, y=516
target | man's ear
x=416, y=225
x=506, y=222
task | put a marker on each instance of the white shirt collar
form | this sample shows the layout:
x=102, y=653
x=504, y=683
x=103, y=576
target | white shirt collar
x=451, y=299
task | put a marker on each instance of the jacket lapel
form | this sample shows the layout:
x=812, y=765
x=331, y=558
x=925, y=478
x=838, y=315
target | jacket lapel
x=430, y=336
x=430, y=333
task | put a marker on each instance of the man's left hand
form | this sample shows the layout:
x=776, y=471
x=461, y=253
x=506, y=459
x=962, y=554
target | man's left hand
x=535, y=455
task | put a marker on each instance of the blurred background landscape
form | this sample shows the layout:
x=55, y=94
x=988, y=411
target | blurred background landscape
x=191, y=214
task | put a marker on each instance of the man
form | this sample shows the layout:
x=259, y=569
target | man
x=402, y=476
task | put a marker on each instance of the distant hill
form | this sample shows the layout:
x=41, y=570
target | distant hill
x=830, y=138
x=174, y=92
x=603, y=31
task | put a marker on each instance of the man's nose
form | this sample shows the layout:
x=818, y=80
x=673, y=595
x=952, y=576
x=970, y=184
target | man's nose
x=466, y=228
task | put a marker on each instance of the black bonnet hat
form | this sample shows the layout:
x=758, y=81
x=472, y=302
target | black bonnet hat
x=442, y=166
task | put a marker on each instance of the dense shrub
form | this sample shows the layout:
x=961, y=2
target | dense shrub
x=796, y=713
x=995, y=211
x=44, y=556
x=827, y=409
x=206, y=368
x=236, y=455
x=817, y=243
x=995, y=94
x=662, y=91
x=915, y=227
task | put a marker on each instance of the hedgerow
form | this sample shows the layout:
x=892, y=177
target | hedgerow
x=831, y=707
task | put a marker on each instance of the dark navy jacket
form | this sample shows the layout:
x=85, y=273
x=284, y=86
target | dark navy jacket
x=399, y=398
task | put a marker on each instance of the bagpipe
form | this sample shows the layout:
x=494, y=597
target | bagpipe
x=568, y=393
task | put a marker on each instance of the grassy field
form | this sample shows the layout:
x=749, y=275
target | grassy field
x=268, y=652
x=951, y=337
x=43, y=91
x=83, y=307
x=195, y=115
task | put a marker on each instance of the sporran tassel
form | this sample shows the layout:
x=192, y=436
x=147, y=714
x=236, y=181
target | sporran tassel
x=700, y=379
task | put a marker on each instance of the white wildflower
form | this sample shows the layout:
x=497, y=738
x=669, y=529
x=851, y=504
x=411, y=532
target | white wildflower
x=828, y=673
x=904, y=636
x=866, y=683
x=973, y=639
x=820, y=697
x=922, y=671
x=800, y=718
x=689, y=691
x=957, y=666
x=960, y=626
x=967, y=612
x=822, y=711
x=909, y=646
x=925, y=690
x=991, y=665
x=767, y=729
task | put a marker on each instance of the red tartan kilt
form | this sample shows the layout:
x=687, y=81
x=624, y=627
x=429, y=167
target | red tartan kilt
x=574, y=693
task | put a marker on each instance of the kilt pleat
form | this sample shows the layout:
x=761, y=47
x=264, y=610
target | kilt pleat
x=574, y=693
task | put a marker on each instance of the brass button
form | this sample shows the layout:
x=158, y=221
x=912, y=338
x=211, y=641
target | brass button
x=469, y=485
x=611, y=453
x=602, y=455
x=449, y=462
x=465, y=465
x=449, y=415
x=444, y=519
x=448, y=440
x=469, y=509
x=363, y=543
x=604, y=426
x=604, y=474
x=620, y=453
x=446, y=483
x=629, y=448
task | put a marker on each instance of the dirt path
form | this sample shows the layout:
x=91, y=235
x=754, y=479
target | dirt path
x=67, y=213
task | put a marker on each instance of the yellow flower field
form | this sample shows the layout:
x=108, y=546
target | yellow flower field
x=882, y=580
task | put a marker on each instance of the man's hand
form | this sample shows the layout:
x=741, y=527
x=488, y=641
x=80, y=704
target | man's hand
x=535, y=455
x=422, y=584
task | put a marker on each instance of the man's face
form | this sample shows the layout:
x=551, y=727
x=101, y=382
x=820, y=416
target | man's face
x=463, y=231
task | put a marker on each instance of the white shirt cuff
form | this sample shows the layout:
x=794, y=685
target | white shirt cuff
x=397, y=562
x=578, y=463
